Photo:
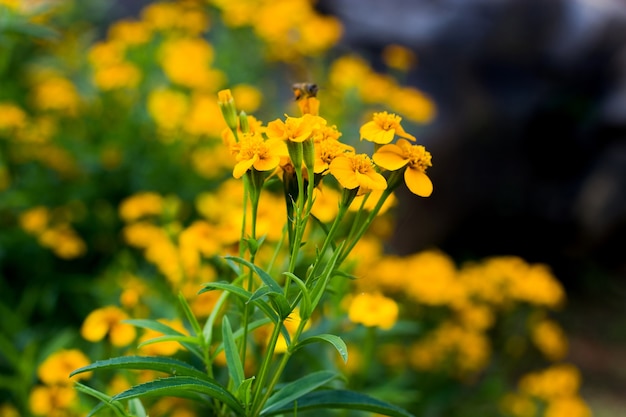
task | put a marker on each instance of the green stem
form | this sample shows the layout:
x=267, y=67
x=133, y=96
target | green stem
x=267, y=359
x=257, y=407
x=366, y=224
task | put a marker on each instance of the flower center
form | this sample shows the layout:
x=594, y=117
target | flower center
x=251, y=145
x=418, y=156
x=362, y=163
x=387, y=121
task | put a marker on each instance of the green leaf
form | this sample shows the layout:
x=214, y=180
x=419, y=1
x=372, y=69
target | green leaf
x=265, y=277
x=305, y=306
x=233, y=361
x=155, y=363
x=191, y=345
x=334, y=340
x=341, y=399
x=105, y=400
x=244, y=295
x=136, y=408
x=160, y=339
x=208, y=326
x=244, y=392
x=280, y=301
x=184, y=387
x=189, y=314
x=296, y=389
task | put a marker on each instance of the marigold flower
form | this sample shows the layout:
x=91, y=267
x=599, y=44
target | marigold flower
x=294, y=129
x=373, y=310
x=416, y=158
x=108, y=320
x=383, y=128
x=52, y=401
x=140, y=205
x=56, y=368
x=326, y=151
x=356, y=170
x=254, y=152
x=11, y=116
x=550, y=339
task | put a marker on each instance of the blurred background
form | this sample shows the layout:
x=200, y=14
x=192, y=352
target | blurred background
x=529, y=146
x=528, y=141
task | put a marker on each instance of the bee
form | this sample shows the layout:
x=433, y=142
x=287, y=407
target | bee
x=304, y=90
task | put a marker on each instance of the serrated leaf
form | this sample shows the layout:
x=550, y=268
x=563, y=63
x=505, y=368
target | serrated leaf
x=341, y=399
x=233, y=361
x=296, y=389
x=184, y=387
x=155, y=363
x=334, y=340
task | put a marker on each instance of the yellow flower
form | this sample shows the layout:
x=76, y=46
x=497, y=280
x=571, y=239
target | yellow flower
x=373, y=310
x=11, y=116
x=52, y=401
x=167, y=107
x=326, y=151
x=247, y=97
x=254, y=152
x=120, y=75
x=57, y=367
x=108, y=320
x=161, y=348
x=64, y=241
x=550, y=339
x=56, y=93
x=399, y=57
x=140, y=205
x=294, y=129
x=416, y=158
x=35, y=220
x=130, y=32
x=383, y=128
x=356, y=170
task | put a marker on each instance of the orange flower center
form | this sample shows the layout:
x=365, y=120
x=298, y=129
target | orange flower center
x=250, y=146
x=362, y=164
x=387, y=121
x=418, y=156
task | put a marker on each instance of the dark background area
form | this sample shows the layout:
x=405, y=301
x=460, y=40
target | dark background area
x=529, y=148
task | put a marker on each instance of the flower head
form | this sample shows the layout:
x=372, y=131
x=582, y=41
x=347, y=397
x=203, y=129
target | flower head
x=108, y=320
x=357, y=170
x=416, y=159
x=373, y=310
x=294, y=129
x=326, y=151
x=383, y=128
x=252, y=151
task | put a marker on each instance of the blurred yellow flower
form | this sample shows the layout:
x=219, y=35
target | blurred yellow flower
x=247, y=97
x=8, y=410
x=168, y=108
x=571, y=406
x=416, y=159
x=35, y=220
x=561, y=380
x=252, y=151
x=141, y=205
x=129, y=32
x=56, y=93
x=383, y=128
x=413, y=104
x=161, y=348
x=187, y=61
x=373, y=310
x=356, y=170
x=550, y=339
x=11, y=116
x=63, y=241
x=108, y=321
x=120, y=75
x=52, y=401
x=399, y=57
x=56, y=368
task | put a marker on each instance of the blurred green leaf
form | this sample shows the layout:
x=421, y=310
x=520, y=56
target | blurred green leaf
x=340, y=399
x=233, y=361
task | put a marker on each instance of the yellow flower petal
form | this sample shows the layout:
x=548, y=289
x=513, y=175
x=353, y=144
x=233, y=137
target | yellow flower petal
x=267, y=164
x=371, y=180
x=390, y=157
x=242, y=166
x=372, y=132
x=418, y=182
x=343, y=170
